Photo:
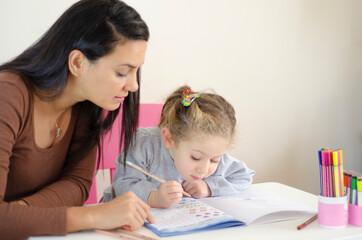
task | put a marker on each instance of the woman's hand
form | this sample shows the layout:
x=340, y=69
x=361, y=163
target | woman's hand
x=197, y=189
x=126, y=211
x=167, y=195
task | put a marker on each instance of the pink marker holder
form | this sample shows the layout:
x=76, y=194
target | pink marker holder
x=333, y=211
x=355, y=215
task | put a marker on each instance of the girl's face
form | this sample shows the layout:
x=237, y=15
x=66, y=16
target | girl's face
x=107, y=81
x=198, y=158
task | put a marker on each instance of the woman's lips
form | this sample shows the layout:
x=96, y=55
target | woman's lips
x=119, y=99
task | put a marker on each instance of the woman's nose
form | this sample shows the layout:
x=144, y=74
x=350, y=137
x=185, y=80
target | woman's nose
x=132, y=83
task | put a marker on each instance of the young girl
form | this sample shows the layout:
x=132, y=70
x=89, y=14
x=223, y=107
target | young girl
x=187, y=150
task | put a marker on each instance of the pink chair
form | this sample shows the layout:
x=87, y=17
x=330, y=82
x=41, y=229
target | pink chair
x=149, y=116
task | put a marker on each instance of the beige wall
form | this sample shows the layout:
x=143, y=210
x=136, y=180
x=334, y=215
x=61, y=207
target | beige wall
x=292, y=69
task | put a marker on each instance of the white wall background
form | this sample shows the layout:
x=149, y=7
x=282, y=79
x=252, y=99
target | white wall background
x=292, y=70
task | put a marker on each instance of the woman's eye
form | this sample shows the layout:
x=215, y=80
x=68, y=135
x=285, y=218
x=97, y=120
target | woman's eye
x=120, y=74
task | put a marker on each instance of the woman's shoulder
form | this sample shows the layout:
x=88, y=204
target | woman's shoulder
x=15, y=100
x=13, y=81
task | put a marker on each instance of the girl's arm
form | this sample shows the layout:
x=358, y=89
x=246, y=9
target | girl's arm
x=231, y=177
x=142, y=153
x=129, y=179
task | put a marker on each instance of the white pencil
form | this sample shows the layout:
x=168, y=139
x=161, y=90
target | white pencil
x=151, y=175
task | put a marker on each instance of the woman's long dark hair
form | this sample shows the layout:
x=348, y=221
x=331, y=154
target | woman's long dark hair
x=94, y=27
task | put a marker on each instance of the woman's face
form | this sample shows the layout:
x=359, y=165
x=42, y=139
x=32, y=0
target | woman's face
x=107, y=81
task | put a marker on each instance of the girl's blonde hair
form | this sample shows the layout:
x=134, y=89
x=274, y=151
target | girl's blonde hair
x=209, y=114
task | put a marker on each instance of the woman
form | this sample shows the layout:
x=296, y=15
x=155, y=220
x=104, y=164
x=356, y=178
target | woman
x=52, y=98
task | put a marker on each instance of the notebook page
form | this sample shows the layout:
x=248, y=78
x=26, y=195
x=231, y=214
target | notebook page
x=186, y=213
x=259, y=206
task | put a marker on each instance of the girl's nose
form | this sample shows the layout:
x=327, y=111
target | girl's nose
x=203, y=167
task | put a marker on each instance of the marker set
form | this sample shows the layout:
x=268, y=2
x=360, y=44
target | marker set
x=339, y=198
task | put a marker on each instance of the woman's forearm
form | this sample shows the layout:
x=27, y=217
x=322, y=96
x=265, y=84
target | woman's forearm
x=80, y=218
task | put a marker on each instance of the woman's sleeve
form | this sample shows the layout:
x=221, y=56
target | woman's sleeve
x=17, y=221
x=231, y=176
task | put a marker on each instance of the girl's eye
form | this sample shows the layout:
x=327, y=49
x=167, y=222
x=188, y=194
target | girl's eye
x=195, y=158
x=215, y=160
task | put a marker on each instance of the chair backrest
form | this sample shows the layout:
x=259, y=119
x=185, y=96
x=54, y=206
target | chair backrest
x=149, y=116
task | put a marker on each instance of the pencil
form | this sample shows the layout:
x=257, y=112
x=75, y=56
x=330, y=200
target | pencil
x=307, y=222
x=152, y=176
x=136, y=234
x=108, y=233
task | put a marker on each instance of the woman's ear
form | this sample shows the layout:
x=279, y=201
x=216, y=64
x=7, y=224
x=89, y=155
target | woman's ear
x=76, y=62
x=167, y=138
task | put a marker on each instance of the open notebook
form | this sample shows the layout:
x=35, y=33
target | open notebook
x=251, y=206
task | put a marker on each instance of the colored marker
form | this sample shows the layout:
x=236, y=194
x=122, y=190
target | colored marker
x=345, y=182
x=325, y=193
x=332, y=174
x=335, y=167
x=340, y=172
x=328, y=169
x=359, y=191
x=320, y=172
x=349, y=176
x=353, y=190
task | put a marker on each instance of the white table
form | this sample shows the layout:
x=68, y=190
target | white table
x=277, y=230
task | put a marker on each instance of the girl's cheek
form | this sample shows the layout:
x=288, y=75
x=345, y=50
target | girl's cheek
x=212, y=170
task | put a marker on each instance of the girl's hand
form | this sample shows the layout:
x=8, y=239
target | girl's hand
x=197, y=189
x=126, y=211
x=167, y=195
